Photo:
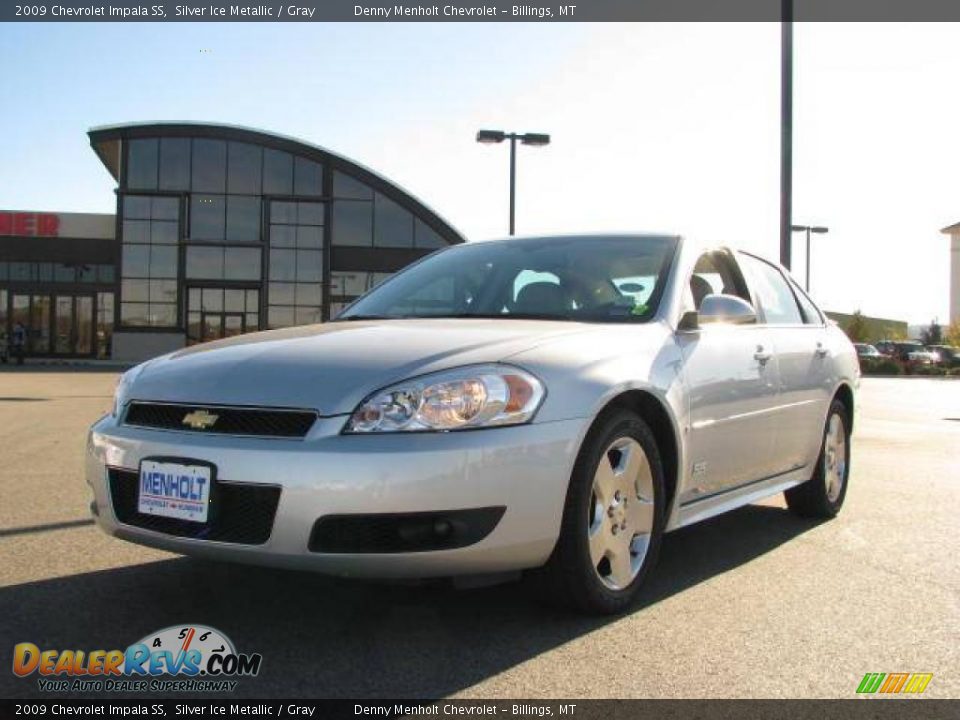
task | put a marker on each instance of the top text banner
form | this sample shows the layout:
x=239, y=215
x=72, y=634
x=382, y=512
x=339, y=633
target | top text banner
x=480, y=11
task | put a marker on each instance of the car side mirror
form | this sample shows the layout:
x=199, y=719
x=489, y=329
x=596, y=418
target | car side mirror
x=726, y=310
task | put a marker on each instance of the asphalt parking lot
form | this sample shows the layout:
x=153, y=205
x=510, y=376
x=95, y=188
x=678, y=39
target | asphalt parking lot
x=753, y=604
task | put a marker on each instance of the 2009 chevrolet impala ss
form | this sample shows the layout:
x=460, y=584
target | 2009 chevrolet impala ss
x=555, y=403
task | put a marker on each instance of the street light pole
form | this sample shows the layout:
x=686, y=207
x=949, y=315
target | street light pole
x=513, y=181
x=819, y=230
x=498, y=136
x=786, y=130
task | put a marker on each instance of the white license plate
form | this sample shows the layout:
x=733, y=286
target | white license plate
x=174, y=490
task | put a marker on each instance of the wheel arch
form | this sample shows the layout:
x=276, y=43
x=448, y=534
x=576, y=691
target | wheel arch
x=844, y=394
x=660, y=421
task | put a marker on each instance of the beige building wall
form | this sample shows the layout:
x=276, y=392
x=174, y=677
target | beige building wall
x=954, y=232
x=955, y=277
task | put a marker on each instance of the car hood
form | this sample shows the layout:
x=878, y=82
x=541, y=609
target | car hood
x=334, y=366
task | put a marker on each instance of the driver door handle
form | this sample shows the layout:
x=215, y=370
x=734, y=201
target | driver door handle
x=761, y=355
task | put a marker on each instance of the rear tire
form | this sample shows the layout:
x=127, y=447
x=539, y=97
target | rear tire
x=612, y=519
x=823, y=494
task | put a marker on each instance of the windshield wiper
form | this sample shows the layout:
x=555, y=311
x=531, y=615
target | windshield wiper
x=447, y=316
x=504, y=316
x=370, y=317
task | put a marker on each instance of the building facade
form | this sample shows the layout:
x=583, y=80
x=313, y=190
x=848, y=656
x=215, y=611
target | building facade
x=58, y=278
x=219, y=231
x=954, y=232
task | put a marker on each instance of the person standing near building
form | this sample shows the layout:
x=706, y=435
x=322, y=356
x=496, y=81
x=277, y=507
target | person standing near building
x=19, y=342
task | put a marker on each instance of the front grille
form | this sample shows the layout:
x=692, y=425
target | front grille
x=226, y=420
x=239, y=513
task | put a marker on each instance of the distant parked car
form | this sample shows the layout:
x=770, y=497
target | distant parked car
x=914, y=353
x=949, y=355
x=866, y=350
x=885, y=347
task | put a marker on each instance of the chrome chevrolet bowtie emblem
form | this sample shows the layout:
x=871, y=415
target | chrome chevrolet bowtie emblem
x=200, y=419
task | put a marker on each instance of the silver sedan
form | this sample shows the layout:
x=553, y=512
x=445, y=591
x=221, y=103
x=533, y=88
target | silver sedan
x=548, y=404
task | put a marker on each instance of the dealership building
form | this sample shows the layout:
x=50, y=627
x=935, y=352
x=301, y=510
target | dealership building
x=219, y=231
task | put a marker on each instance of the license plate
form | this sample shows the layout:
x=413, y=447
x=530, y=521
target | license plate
x=175, y=490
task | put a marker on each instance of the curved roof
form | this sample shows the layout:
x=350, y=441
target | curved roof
x=104, y=140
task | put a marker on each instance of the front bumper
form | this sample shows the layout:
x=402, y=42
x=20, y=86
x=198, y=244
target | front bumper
x=523, y=468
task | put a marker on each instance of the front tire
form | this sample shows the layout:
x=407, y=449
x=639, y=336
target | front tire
x=823, y=494
x=612, y=519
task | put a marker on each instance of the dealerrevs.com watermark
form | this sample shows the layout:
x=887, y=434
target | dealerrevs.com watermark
x=179, y=658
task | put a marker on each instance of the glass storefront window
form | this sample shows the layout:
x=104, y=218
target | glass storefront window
x=22, y=272
x=207, y=217
x=136, y=261
x=136, y=207
x=214, y=312
x=39, y=328
x=163, y=262
x=307, y=177
x=345, y=186
x=104, y=324
x=345, y=287
x=135, y=290
x=204, y=262
x=241, y=264
x=426, y=237
x=244, y=169
x=174, y=164
x=353, y=223
x=142, y=164
x=86, y=273
x=148, y=270
x=64, y=273
x=219, y=263
x=209, y=167
x=283, y=265
x=163, y=232
x=243, y=218
x=393, y=225
x=277, y=173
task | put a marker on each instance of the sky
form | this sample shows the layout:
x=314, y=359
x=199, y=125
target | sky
x=655, y=127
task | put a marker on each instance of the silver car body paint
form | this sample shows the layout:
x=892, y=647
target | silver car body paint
x=744, y=428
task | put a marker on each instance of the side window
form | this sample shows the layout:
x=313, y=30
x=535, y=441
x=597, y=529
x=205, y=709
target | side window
x=775, y=296
x=716, y=274
x=811, y=316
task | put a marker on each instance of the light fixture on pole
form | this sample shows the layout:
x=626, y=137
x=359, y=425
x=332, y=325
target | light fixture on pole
x=491, y=137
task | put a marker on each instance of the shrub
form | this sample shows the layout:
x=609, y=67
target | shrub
x=880, y=366
x=929, y=370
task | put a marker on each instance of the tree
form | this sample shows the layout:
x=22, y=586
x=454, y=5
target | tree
x=952, y=335
x=932, y=335
x=857, y=328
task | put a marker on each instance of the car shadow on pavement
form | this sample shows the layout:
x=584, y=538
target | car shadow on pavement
x=326, y=637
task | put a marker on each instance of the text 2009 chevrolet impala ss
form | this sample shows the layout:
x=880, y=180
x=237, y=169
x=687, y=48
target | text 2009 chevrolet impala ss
x=554, y=403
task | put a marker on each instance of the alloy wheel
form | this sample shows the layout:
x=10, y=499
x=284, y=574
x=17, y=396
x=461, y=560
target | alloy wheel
x=621, y=512
x=835, y=457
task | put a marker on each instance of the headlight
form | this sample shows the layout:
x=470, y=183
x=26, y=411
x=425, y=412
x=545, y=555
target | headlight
x=468, y=397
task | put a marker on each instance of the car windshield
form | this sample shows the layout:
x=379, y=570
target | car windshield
x=593, y=279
